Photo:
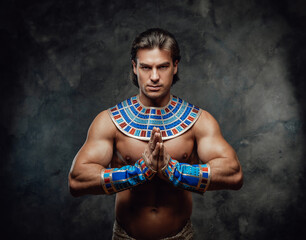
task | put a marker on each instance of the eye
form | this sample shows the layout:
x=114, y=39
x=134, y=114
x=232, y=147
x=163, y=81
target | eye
x=163, y=67
x=145, y=68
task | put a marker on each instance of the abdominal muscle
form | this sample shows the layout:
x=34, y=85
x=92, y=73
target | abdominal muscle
x=153, y=210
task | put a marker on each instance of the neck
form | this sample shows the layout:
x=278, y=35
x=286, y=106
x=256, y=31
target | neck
x=154, y=102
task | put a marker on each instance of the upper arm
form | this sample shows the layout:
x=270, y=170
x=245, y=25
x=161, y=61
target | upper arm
x=210, y=142
x=98, y=147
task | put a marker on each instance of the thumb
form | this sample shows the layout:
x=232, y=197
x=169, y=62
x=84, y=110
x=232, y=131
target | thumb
x=161, y=151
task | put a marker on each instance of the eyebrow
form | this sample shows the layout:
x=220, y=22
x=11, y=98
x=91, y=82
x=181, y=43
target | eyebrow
x=148, y=65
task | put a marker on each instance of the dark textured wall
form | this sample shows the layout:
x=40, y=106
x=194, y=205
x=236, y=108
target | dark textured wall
x=62, y=62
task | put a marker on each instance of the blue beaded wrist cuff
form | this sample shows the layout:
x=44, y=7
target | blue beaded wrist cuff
x=193, y=178
x=115, y=180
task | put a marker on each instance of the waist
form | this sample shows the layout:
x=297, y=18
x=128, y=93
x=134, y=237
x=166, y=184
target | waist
x=186, y=232
x=154, y=213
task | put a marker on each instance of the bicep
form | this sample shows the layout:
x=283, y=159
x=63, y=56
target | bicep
x=210, y=142
x=214, y=147
x=96, y=151
x=98, y=148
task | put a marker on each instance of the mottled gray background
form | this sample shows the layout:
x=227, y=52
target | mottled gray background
x=62, y=62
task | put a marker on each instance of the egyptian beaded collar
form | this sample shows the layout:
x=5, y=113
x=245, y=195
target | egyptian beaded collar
x=137, y=121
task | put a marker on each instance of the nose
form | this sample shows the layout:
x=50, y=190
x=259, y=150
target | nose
x=154, y=75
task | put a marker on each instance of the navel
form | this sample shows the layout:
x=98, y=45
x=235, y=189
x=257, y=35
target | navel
x=185, y=156
x=127, y=159
x=154, y=210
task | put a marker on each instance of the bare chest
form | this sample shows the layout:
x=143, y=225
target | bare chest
x=128, y=150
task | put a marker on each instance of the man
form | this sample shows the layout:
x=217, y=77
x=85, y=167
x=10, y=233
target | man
x=154, y=149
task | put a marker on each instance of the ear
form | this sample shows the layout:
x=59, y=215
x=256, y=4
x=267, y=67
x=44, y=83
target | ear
x=175, y=64
x=134, y=67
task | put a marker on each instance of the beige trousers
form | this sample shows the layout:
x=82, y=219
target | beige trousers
x=186, y=233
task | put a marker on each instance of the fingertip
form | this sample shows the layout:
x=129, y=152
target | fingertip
x=153, y=131
x=156, y=135
x=159, y=137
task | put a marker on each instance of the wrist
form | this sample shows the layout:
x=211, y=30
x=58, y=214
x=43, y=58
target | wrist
x=115, y=180
x=195, y=178
x=162, y=170
x=168, y=169
x=147, y=170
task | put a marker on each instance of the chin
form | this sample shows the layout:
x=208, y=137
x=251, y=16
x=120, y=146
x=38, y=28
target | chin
x=155, y=95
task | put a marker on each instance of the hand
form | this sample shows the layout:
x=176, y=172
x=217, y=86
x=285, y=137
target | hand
x=163, y=160
x=152, y=151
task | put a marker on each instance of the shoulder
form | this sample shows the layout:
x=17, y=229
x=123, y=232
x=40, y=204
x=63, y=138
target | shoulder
x=102, y=126
x=206, y=124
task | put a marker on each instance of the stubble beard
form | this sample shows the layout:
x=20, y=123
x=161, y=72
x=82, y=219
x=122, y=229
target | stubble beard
x=155, y=97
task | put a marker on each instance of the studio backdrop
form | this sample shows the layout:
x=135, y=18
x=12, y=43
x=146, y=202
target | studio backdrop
x=66, y=61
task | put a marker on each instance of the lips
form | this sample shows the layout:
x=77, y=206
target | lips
x=154, y=87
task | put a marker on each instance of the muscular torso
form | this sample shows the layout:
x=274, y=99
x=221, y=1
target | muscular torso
x=155, y=208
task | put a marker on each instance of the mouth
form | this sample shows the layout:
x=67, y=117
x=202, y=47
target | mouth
x=154, y=88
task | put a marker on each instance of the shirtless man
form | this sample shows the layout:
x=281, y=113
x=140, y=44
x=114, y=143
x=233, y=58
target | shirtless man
x=153, y=150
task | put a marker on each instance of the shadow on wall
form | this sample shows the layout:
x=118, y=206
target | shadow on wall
x=295, y=14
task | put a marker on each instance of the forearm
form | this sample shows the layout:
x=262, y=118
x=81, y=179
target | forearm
x=220, y=173
x=115, y=180
x=85, y=179
x=195, y=178
x=226, y=173
x=95, y=179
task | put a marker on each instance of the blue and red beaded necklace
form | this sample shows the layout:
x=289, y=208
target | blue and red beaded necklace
x=137, y=121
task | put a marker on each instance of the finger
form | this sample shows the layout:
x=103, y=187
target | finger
x=161, y=151
x=159, y=138
x=151, y=141
x=156, y=139
x=155, y=153
x=152, y=135
x=154, y=130
x=146, y=159
x=161, y=155
x=154, y=157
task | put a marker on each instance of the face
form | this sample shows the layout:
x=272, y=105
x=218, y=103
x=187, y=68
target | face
x=155, y=70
